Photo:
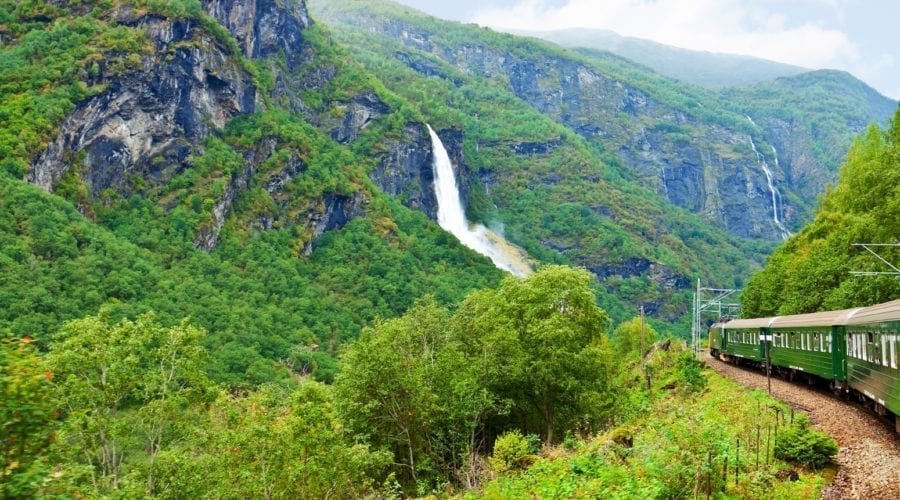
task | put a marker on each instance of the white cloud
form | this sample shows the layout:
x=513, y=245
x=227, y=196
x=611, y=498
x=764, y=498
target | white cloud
x=730, y=26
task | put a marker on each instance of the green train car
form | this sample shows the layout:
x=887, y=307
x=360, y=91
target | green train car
x=873, y=355
x=857, y=351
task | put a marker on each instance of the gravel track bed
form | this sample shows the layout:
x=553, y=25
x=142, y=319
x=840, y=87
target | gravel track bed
x=869, y=457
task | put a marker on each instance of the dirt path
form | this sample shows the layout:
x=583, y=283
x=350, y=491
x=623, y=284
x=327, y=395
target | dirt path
x=869, y=456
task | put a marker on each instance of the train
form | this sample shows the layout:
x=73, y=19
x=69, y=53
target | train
x=856, y=352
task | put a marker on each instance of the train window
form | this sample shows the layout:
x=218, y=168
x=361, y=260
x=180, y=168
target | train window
x=884, y=350
x=828, y=339
x=871, y=347
x=894, y=351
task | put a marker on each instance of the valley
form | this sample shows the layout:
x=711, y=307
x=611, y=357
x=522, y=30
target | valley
x=300, y=249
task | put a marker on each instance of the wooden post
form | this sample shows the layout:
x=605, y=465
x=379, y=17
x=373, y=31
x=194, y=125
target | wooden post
x=768, y=442
x=708, y=474
x=737, y=462
x=757, y=447
x=725, y=474
x=792, y=415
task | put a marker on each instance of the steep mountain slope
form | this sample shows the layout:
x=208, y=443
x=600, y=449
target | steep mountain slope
x=219, y=153
x=811, y=119
x=693, y=146
x=707, y=69
x=812, y=271
x=555, y=194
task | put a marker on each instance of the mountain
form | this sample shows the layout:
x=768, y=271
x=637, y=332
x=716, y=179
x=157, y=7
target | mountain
x=691, y=145
x=813, y=271
x=219, y=155
x=267, y=173
x=707, y=69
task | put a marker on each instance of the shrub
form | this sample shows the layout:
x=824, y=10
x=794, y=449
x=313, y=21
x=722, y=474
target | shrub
x=691, y=372
x=803, y=445
x=509, y=450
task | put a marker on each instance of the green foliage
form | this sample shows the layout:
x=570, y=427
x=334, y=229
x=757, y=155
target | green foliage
x=432, y=387
x=510, y=449
x=408, y=386
x=801, y=444
x=690, y=370
x=630, y=336
x=811, y=271
x=541, y=346
x=668, y=451
x=28, y=419
x=125, y=386
x=273, y=443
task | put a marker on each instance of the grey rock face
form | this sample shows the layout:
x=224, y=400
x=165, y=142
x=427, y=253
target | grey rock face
x=334, y=212
x=150, y=120
x=663, y=276
x=263, y=27
x=361, y=110
x=406, y=170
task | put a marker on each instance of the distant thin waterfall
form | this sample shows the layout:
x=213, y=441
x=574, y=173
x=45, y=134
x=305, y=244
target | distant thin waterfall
x=452, y=217
x=770, y=180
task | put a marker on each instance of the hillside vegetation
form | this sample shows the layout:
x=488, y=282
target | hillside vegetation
x=126, y=408
x=812, y=271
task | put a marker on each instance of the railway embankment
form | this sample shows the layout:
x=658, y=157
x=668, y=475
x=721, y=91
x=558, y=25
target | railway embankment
x=869, y=457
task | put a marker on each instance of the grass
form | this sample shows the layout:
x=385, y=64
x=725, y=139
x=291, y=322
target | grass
x=672, y=449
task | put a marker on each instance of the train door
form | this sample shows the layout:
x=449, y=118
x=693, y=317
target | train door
x=839, y=353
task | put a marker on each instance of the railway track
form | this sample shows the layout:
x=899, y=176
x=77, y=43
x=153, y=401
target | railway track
x=869, y=457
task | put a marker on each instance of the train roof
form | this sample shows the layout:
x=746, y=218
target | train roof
x=879, y=313
x=825, y=318
x=750, y=323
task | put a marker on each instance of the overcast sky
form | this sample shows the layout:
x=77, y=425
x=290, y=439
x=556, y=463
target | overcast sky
x=859, y=36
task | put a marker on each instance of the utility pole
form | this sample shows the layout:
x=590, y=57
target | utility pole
x=768, y=340
x=643, y=368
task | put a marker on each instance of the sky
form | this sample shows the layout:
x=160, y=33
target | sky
x=859, y=36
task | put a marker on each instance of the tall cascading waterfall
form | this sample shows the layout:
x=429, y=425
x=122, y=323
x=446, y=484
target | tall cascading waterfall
x=770, y=180
x=452, y=217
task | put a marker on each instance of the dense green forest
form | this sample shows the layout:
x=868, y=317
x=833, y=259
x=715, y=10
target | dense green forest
x=126, y=408
x=812, y=271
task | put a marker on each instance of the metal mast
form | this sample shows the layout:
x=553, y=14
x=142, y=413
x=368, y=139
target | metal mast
x=711, y=301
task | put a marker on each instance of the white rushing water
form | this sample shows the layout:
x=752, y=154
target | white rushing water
x=770, y=180
x=452, y=217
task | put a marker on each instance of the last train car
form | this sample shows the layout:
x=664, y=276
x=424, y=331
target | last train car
x=741, y=338
x=716, y=340
x=873, y=356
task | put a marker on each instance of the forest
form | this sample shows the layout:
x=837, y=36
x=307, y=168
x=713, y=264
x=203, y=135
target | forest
x=437, y=401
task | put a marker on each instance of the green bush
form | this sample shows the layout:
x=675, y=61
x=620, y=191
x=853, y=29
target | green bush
x=509, y=450
x=803, y=445
x=690, y=371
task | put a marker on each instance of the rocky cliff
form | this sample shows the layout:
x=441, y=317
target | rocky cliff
x=150, y=123
x=696, y=158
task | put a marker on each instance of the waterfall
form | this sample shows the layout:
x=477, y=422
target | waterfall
x=452, y=217
x=770, y=180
